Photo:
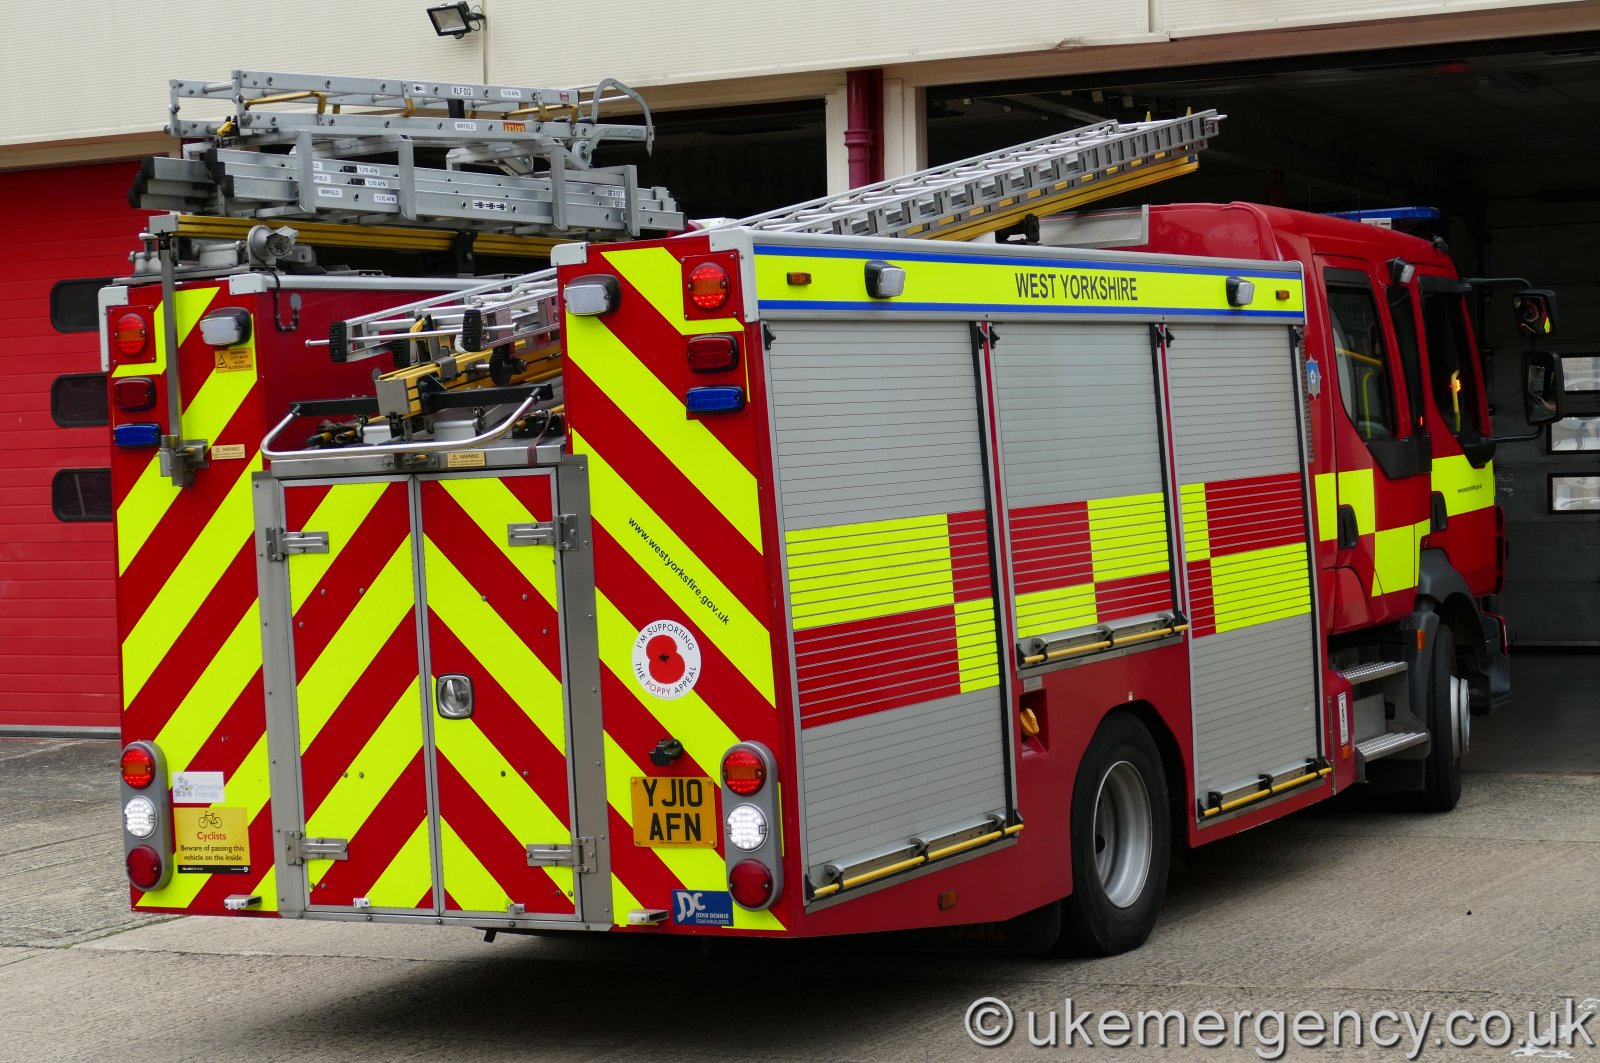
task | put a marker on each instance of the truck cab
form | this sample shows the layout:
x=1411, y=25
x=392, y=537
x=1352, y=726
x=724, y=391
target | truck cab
x=1401, y=434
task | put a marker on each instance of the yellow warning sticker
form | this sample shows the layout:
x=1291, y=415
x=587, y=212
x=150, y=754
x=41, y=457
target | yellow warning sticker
x=211, y=841
x=228, y=450
x=464, y=459
x=236, y=358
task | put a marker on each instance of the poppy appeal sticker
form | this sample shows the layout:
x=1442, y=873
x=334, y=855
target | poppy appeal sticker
x=666, y=659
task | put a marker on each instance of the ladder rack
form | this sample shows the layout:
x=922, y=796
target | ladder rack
x=517, y=160
x=984, y=193
x=955, y=201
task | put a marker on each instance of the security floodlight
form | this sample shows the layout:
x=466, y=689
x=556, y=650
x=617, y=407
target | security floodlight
x=455, y=20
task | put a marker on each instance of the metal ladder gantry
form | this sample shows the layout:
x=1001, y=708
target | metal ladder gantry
x=954, y=201
x=302, y=147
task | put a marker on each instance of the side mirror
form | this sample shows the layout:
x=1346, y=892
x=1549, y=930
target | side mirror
x=1535, y=312
x=1543, y=390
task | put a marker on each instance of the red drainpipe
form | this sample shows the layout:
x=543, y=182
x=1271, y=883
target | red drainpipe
x=863, y=127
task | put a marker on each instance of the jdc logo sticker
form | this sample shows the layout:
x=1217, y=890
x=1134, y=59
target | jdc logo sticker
x=702, y=907
x=666, y=660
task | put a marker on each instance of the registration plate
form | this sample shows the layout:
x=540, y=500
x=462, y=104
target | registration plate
x=674, y=811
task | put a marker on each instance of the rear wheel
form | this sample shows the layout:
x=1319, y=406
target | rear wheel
x=1449, y=718
x=1121, y=841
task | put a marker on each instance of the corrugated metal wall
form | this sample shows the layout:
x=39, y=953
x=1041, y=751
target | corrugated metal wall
x=638, y=41
x=58, y=646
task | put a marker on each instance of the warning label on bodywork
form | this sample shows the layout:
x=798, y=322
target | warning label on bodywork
x=211, y=841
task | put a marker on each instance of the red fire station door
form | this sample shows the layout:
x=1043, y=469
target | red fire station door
x=428, y=701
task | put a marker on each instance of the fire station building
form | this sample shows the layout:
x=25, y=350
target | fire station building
x=1488, y=110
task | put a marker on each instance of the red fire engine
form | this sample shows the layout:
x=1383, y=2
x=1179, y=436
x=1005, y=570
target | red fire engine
x=786, y=577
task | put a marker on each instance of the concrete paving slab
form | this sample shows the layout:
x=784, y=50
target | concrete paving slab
x=61, y=874
x=224, y=936
x=1351, y=905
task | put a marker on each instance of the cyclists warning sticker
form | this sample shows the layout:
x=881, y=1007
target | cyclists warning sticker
x=211, y=841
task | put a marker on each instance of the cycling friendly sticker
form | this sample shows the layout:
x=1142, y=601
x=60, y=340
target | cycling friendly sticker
x=211, y=841
x=666, y=659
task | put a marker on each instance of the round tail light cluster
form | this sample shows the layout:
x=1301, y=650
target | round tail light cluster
x=750, y=882
x=750, y=826
x=708, y=286
x=144, y=867
x=743, y=771
x=138, y=767
x=131, y=335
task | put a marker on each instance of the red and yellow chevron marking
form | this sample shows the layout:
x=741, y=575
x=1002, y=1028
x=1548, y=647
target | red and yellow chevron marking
x=187, y=612
x=492, y=616
x=890, y=613
x=1245, y=551
x=1083, y=563
x=677, y=535
x=1396, y=547
x=358, y=702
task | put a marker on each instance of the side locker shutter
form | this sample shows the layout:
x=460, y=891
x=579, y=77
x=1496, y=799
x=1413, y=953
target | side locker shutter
x=888, y=559
x=1237, y=435
x=364, y=837
x=1086, y=508
x=494, y=681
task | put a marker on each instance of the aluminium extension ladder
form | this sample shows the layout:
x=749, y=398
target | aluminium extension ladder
x=300, y=147
x=517, y=317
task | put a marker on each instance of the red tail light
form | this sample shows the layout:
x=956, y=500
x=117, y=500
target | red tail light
x=131, y=335
x=134, y=393
x=708, y=286
x=138, y=767
x=144, y=867
x=743, y=771
x=750, y=882
x=713, y=354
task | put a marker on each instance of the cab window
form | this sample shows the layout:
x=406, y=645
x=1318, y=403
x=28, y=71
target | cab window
x=1450, y=363
x=1361, y=357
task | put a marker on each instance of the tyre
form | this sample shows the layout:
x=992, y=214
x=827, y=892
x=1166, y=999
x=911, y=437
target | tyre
x=1121, y=841
x=1449, y=721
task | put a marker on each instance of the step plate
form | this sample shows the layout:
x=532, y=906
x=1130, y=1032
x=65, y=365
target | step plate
x=1387, y=744
x=1365, y=673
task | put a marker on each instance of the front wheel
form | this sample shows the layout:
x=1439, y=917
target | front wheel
x=1449, y=718
x=1121, y=841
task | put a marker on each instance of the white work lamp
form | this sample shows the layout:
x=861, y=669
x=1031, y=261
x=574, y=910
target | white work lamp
x=455, y=20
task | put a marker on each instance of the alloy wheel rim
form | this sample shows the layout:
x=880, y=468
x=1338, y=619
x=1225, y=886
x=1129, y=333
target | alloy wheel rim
x=1124, y=830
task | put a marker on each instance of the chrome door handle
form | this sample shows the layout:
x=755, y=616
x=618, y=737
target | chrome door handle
x=454, y=696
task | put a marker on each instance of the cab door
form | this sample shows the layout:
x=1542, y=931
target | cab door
x=1381, y=448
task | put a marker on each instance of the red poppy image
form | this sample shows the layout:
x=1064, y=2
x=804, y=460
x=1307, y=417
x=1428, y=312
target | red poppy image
x=666, y=663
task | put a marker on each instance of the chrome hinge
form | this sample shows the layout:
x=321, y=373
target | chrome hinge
x=280, y=543
x=561, y=533
x=297, y=848
x=579, y=855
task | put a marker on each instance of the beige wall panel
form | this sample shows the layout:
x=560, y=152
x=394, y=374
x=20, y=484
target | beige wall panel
x=1184, y=18
x=94, y=68
x=644, y=42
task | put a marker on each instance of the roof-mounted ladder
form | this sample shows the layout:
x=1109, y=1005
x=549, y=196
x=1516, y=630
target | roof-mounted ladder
x=516, y=160
x=954, y=201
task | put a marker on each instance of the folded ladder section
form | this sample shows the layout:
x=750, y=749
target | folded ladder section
x=515, y=159
x=954, y=201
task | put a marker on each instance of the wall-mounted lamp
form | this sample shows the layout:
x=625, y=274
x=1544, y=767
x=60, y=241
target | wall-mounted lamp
x=455, y=20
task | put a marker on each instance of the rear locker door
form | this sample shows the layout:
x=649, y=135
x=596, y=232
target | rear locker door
x=881, y=458
x=1237, y=432
x=358, y=722
x=494, y=650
